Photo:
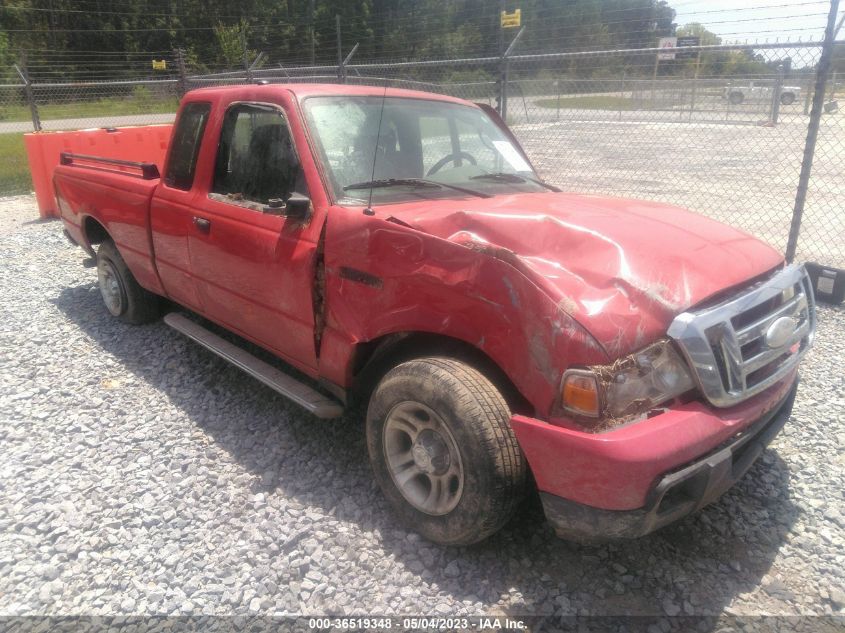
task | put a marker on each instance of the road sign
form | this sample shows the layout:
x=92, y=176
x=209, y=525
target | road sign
x=685, y=42
x=511, y=20
x=667, y=44
x=159, y=64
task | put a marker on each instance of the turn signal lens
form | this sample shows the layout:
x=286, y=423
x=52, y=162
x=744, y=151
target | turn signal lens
x=581, y=393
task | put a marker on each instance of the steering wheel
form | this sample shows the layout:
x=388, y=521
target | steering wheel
x=451, y=158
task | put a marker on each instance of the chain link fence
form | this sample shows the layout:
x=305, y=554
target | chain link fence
x=718, y=129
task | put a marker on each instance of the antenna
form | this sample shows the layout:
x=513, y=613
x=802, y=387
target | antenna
x=369, y=209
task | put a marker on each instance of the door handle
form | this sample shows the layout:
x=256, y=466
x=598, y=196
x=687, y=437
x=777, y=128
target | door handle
x=203, y=225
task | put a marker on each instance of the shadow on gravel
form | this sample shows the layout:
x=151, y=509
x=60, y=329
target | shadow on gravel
x=696, y=566
x=40, y=220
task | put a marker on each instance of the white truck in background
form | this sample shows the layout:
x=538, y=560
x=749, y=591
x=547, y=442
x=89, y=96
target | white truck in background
x=752, y=92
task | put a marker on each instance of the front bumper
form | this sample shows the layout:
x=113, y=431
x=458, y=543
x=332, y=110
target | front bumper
x=677, y=493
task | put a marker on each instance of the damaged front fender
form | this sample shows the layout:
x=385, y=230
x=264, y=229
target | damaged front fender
x=408, y=281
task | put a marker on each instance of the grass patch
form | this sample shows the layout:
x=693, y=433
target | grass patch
x=111, y=106
x=599, y=102
x=14, y=168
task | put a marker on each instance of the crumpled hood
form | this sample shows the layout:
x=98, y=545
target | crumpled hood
x=622, y=268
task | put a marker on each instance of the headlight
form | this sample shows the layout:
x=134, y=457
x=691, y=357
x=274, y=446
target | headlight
x=632, y=385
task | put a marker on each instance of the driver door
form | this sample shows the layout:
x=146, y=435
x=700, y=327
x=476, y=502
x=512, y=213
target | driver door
x=254, y=269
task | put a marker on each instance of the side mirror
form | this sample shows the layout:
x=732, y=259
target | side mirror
x=296, y=206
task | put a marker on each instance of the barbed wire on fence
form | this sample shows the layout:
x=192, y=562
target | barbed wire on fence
x=720, y=129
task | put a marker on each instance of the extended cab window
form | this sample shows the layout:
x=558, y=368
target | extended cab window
x=186, y=144
x=256, y=160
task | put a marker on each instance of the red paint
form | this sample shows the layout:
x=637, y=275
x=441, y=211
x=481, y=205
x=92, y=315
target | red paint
x=538, y=282
x=616, y=470
x=622, y=268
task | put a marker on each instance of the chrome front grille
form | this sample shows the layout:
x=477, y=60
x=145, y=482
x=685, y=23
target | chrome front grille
x=743, y=345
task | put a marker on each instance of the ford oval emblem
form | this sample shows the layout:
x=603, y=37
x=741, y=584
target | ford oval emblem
x=779, y=332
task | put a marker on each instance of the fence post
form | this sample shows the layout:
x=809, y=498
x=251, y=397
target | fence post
x=182, y=85
x=777, y=89
x=622, y=93
x=808, y=97
x=504, y=67
x=695, y=85
x=341, y=73
x=247, y=66
x=503, y=88
x=557, y=85
x=30, y=96
x=311, y=32
x=812, y=130
x=654, y=80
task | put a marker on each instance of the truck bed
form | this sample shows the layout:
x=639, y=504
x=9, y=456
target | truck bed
x=115, y=196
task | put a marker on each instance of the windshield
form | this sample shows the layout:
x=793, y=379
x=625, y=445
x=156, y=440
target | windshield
x=422, y=150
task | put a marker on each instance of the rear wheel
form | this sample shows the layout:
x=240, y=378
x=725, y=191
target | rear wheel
x=122, y=295
x=736, y=98
x=443, y=452
x=787, y=98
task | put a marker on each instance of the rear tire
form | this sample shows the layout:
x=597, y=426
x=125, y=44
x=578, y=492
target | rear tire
x=122, y=295
x=736, y=98
x=787, y=98
x=443, y=452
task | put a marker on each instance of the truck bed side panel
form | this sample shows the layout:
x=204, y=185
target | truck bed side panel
x=121, y=203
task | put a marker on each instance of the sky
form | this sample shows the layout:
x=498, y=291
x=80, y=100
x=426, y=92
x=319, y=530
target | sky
x=752, y=20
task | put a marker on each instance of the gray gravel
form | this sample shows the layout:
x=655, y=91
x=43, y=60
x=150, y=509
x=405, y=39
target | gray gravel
x=139, y=474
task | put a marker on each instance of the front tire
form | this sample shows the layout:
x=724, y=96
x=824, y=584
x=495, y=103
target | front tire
x=736, y=98
x=787, y=98
x=443, y=451
x=122, y=295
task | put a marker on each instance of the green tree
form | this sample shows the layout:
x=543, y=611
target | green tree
x=232, y=41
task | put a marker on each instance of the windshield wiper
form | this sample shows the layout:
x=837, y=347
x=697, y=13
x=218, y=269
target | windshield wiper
x=420, y=183
x=503, y=176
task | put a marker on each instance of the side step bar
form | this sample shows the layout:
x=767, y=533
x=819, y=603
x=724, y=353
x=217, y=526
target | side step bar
x=313, y=401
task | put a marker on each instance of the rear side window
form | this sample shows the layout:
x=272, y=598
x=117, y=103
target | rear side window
x=186, y=144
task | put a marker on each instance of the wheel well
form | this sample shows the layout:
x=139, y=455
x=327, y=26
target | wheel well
x=374, y=359
x=95, y=233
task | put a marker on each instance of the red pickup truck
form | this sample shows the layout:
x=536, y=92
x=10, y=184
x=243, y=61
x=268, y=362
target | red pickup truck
x=626, y=359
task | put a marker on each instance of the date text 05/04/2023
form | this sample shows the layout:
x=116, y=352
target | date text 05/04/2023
x=418, y=623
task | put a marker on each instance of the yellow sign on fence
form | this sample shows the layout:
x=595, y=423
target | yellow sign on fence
x=511, y=20
x=159, y=64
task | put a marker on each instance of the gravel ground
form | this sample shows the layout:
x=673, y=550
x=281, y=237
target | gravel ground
x=142, y=475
